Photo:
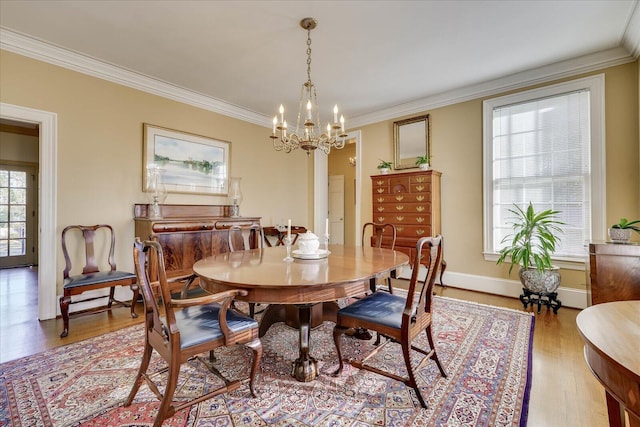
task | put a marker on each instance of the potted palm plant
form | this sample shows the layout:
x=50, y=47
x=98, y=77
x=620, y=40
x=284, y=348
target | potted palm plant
x=621, y=232
x=531, y=244
x=384, y=166
x=423, y=162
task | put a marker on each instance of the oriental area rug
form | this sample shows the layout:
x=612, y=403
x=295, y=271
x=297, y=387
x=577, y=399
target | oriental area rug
x=485, y=350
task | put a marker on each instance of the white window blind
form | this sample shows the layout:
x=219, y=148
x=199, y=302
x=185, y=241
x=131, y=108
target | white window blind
x=538, y=149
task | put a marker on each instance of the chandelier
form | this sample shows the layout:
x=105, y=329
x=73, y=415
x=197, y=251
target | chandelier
x=310, y=136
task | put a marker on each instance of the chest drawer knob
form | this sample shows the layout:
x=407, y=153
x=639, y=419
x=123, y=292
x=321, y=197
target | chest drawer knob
x=399, y=207
x=420, y=219
x=420, y=232
x=399, y=198
x=419, y=198
x=420, y=208
x=400, y=218
x=380, y=190
x=380, y=208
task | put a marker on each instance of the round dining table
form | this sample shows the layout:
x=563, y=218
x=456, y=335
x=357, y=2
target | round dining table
x=302, y=292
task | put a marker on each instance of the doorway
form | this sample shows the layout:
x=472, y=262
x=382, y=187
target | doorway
x=18, y=186
x=46, y=123
x=321, y=191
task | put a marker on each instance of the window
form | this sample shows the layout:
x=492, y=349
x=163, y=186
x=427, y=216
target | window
x=546, y=146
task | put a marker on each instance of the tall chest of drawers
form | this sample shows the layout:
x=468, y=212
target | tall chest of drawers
x=411, y=202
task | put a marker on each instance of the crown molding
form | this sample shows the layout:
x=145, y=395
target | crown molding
x=631, y=37
x=37, y=49
x=42, y=51
x=559, y=70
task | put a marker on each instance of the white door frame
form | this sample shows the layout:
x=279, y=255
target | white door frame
x=48, y=125
x=321, y=187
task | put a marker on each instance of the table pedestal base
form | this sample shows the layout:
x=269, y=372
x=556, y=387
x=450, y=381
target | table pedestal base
x=303, y=317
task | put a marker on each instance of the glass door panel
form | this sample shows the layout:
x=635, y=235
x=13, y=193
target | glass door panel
x=16, y=215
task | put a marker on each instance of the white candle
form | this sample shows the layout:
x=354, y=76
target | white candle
x=335, y=113
x=275, y=121
x=342, y=122
x=289, y=229
x=326, y=227
x=281, y=113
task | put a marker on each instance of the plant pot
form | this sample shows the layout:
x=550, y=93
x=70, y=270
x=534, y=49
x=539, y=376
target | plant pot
x=619, y=235
x=544, y=282
x=423, y=166
x=384, y=171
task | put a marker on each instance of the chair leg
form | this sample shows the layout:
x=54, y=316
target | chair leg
x=65, y=300
x=256, y=347
x=134, y=300
x=166, y=409
x=434, y=356
x=112, y=294
x=338, y=331
x=406, y=348
x=144, y=365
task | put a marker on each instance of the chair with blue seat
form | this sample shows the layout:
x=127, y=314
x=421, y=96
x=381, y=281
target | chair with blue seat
x=96, y=240
x=399, y=319
x=184, y=329
x=382, y=236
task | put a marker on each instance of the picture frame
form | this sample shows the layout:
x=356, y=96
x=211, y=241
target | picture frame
x=411, y=139
x=189, y=163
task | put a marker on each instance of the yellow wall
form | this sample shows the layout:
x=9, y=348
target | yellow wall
x=100, y=157
x=456, y=133
x=100, y=150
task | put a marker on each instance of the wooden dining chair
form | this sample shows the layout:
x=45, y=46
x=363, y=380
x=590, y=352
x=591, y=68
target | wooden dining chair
x=247, y=237
x=398, y=318
x=382, y=236
x=97, y=243
x=179, y=330
x=243, y=237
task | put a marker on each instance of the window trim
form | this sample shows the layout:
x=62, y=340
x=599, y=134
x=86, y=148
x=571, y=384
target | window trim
x=595, y=85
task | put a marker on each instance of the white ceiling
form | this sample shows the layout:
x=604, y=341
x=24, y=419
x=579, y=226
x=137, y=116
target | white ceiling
x=375, y=59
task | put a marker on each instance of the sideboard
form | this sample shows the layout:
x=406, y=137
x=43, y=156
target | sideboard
x=411, y=202
x=613, y=272
x=187, y=233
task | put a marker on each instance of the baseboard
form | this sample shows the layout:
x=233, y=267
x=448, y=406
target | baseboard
x=570, y=297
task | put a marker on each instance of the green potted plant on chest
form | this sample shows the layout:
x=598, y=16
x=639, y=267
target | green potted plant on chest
x=532, y=242
x=621, y=232
x=384, y=166
x=423, y=162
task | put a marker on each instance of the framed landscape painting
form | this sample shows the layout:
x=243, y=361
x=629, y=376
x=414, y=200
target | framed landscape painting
x=188, y=163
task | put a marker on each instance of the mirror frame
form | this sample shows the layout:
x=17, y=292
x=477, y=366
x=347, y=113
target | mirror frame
x=410, y=162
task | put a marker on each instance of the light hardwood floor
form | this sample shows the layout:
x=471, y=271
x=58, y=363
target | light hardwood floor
x=564, y=393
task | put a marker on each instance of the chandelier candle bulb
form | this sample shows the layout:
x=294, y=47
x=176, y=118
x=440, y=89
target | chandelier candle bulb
x=335, y=113
x=275, y=122
x=342, y=123
x=289, y=229
x=281, y=113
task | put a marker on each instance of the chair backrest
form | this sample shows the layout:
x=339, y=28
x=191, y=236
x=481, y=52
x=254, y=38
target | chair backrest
x=154, y=293
x=420, y=293
x=380, y=239
x=244, y=237
x=92, y=264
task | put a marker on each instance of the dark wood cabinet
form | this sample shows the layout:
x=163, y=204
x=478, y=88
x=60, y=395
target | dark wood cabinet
x=613, y=273
x=411, y=202
x=188, y=233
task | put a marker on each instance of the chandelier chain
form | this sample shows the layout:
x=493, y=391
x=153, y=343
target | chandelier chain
x=309, y=56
